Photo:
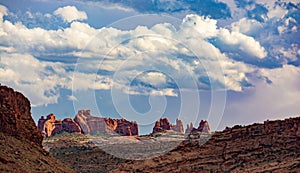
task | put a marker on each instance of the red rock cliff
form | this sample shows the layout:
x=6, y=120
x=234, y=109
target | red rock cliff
x=50, y=126
x=91, y=124
x=15, y=116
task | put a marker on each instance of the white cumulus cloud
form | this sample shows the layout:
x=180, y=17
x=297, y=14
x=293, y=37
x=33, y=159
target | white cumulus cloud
x=243, y=42
x=40, y=81
x=247, y=26
x=70, y=13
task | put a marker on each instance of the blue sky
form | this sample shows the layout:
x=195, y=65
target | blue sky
x=231, y=62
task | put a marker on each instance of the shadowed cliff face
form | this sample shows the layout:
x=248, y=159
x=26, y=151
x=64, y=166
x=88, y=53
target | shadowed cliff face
x=20, y=141
x=271, y=147
x=15, y=116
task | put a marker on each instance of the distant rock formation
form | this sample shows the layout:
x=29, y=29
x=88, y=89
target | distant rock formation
x=50, y=126
x=15, y=116
x=203, y=127
x=178, y=127
x=189, y=128
x=85, y=123
x=91, y=124
x=161, y=125
x=70, y=126
x=164, y=124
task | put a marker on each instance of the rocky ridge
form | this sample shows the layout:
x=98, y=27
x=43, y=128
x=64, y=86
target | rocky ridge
x=273, y=146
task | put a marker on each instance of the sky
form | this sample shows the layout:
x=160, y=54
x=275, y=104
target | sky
x=227, y=61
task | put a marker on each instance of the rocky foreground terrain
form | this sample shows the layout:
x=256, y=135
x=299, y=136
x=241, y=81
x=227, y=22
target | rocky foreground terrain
x=20, y=141
x=270, y=147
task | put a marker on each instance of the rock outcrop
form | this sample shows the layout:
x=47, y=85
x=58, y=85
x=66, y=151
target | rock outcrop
x=50, y=126
x=15, y=116
x=20, y=139
x=178, y=127
x=273, y=146
x=189, y=128
x=70, y=126
x=163, y=124
x=92, y=124
x=203, y=127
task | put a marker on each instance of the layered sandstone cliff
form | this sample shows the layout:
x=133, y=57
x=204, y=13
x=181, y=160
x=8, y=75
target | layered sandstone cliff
x=15, y=116
x=92, y=124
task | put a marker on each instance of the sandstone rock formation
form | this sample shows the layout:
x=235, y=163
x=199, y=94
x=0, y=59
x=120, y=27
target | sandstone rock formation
x=164, y=124
x=203, y=127
x=273, y=146
x=15, y=116
x=161, y=125
x=189, y=128
x=178, y=127
x=50, y=126
x=70, y=126
x=20, y=139
x=92, y=124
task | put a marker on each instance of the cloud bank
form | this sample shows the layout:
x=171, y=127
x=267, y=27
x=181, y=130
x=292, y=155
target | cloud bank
x=156, y=60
